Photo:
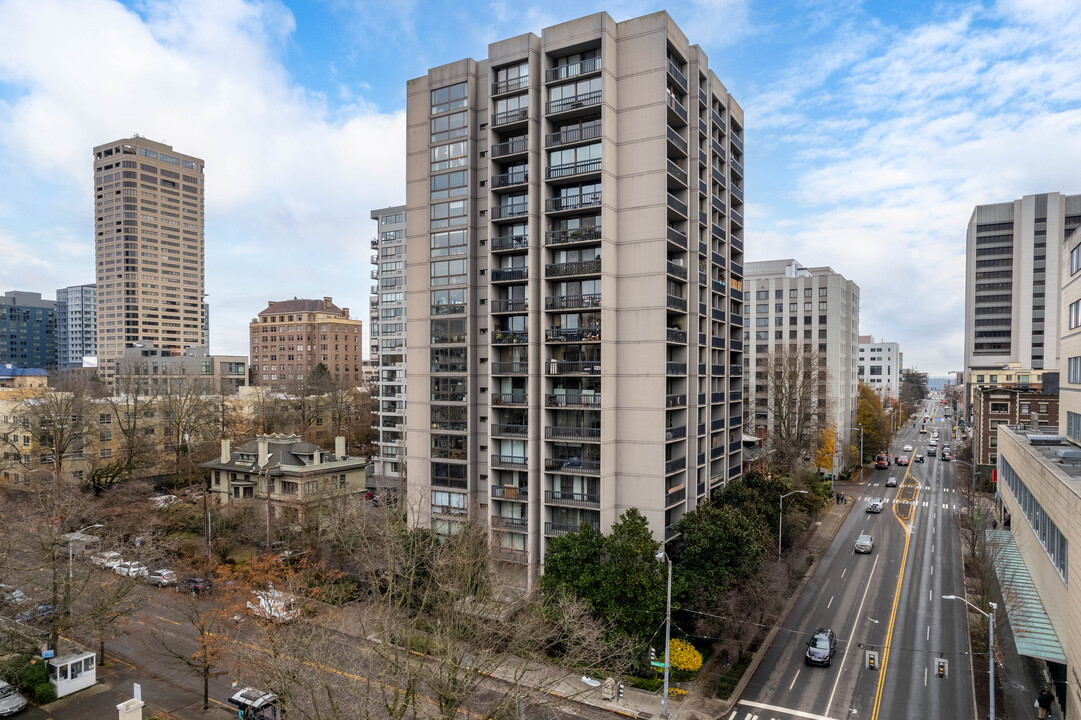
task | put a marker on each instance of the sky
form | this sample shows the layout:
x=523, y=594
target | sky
x=872, y=130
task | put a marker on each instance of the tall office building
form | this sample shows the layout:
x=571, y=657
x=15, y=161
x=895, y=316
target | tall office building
x=574, y=284
x=27, y=330
x=76, y=325
x=148, y=208
x=290, y=338
x=880, y=366
x=387, y=333
x=814, y=312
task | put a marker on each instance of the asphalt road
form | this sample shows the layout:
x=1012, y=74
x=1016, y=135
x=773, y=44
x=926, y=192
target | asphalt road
x=888, y=601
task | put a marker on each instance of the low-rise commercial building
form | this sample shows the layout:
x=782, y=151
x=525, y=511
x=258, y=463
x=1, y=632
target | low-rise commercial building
x=158, y=371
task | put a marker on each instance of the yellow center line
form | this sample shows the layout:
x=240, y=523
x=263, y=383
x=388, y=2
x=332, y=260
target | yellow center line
x=909, y=510
x=174, y=622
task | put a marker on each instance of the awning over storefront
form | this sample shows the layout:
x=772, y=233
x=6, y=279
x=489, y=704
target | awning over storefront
x=1032, y=630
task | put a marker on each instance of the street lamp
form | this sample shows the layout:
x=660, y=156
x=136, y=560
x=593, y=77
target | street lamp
x=663, y=556
x=990, y=643
x=71, y=537
x=780, y=518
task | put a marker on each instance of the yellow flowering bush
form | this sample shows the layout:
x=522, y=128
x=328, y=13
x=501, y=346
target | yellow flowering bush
x=676, y=693
x=686, y=660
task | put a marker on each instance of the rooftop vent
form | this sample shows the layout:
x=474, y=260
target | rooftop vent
x=1069, y=454
x=1039, y=439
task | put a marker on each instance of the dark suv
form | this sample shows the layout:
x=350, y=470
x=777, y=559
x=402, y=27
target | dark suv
x=196, y=585
x=820, y=647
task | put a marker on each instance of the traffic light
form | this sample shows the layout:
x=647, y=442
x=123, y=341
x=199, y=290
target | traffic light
x=619, y=691
x=652, y=654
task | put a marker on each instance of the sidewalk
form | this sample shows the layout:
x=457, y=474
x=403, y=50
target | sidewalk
x=1020, y=678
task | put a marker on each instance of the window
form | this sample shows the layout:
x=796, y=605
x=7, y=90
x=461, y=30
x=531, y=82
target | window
x=822, y=305
x=762, y=295
x=761, y=335
x=793, y=307
x=448, y=127
x=778, y=321
x=448, y=302
x=822, y=292
x=761, y=308
x=1000, y=407
x=1046, y=531
x=451, y=97
x=452, y=242
x=1075, y=314
x=1042, y=408
x=822, y=334
x=778, y=334
x=1075, y=259
x=449, y=272
x=806, y=292
x=761, y=322
x=793, y=294
x=778, y=307
x=448, y=330
x=778, y=294
x=449, y=213
x=448, y=156
x=448, y=185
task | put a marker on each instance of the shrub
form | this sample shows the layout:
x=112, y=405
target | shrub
x=676, y=694
x=685, y=659
x=647, y=684
x=731, y=678
x=25, y=672
x=43, y=692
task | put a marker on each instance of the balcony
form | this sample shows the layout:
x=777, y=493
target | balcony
x=572, y=136
x=677, y=141
x=375, y=243
x=510, y=492
x=737, y=269
x=511, y=555
x=675, y=368
x=677, y=173
x=505, y=430
x=504, y=522
x=677, y=303
x=574, y=367
x=736, y=369
x=573, y=70
x=510, y=210
x=572, y=400
x=510, y=179
x=511, y=274
x=737, y=217
x=572, y=269
x=575, y=102
x=677, y=114
x=506, y=86
x=719, y=205
x=718, y=149
x=502, y=243
x=574, y=466
x=737, y=167
x=510, y=337
x=509, y=305
x=552, y=529
x=735, y=344
x=573, y=335
x=508, y=118
x=703, y=99
x=718, y=177
x=513, y=462
x=734, y=446
x=676, y=270
x=516, y=367
x=733, y=472
x=677, y=237
x=737, y=192
x=736, y=396
x=676, y=74
x=717, y=119
x=675, y=335
x=572, y=302
x=585, y=167
x=703, y=128
x=586, y=233
x=573, y=202
x=515, y=146
x=677, y=205
x=675, y=401
x=676, y=495
x=575, y=434
x=572, y=499
x=737, y=142
x=511, y=399
x=449, y=396
x=737, y=244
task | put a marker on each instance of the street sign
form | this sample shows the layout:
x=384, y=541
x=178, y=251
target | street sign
x=657, y=664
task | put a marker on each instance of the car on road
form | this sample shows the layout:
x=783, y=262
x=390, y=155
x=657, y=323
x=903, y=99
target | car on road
x=865, y=544
x=11, y=701
x=882, y=461
x=821, y=647
x=902, y=459
x=946, y=457
x=918, y=458
x=131, y=568
x=107, y=560
x=907, y=448
x=161, y=578
x=36, y=614
x=12, y=595
x=874, y=505
x=196, y=585
x=891, y=481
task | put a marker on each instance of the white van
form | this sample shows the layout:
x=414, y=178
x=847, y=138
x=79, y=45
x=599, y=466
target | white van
x=274, y=605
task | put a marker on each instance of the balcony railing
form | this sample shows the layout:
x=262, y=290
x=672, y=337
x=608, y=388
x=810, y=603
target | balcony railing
x=572, y=302
x=510, y=242
x=561, y=432
x=448, y=309
x=510, y=147
x=572, y=135
x=676, y=139
x=555, y=172
x=676, y=204
x=568, y=269
x=676, y=400
x=677, y=270
x=510, y=210
x=574, y=367
x=677, y=495
x=449, y=510
x=514, y=430
x=508, y=337
x=449, y=396
x=737, y=192
x=574, y=102
x=586, y=334
x=510, y=116
x=507, y=179
x=510, y=305
x=520, y=462
x=506, y=86
x=516, y=367
x=513, y=555
x=677, y=237
x=510, y=274
x=737, y=142
x=510, y=492
x=675, y=368
x=717, y=119
x=505, y=522
x=677, y=75
x=552, y=529
x=573, y=202
x=677, y=432
x=675, y=335
x=677, y=107
x=737, y=166
x=703, y=99
x=572, y=400
x=511, y=399
x=737, y=269
x=677, y=303
x=575, y=466
x=572, y=499
x=563, y=72
x=585, y=233
x=737, y=217
x=677, y=172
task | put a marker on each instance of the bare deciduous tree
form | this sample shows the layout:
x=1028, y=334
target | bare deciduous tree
x=796, y=405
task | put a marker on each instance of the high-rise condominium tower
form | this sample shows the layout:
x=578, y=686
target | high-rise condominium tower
x=148, y=220
x=76, y=325
x=574, y=284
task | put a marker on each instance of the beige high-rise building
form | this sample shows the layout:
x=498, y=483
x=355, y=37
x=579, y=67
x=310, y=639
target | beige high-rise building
x=149, y=247
x=290, y=338
x=574, y=286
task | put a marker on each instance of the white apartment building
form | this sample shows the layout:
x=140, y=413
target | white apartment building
x=574, y=284
x=813, y=311
x=880, y=366
x=76, y=325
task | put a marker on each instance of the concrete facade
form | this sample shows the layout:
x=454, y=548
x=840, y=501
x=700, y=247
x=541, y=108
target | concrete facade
x=387, y=332
x=76, y=325
x=27, y=330
x=880, y=366
x=290, y=338
x=149, y=247
x=574, y=284
x=816, y=311
x=195, y=370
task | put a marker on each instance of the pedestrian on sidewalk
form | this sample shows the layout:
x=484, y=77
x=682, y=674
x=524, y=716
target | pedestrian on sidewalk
x=1043, y=704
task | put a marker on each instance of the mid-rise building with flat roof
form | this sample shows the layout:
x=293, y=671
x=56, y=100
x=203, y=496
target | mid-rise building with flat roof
x=76, y=325
x=880, y=366
x=574, y=272
x=159, y=371
x=27, y=330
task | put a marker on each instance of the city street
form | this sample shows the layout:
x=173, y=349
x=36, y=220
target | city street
x=888, y=601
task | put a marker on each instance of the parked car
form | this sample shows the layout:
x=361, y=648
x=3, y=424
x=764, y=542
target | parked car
x=891, y=481
x=161, y=578
x=34, y=615
x=131, y=568
x=107, y=560
x=821, y=647
x=274, y=605
x=196, y=585
x=865, y=544
x=874, y=505
x=12, y=595
x=11, y=701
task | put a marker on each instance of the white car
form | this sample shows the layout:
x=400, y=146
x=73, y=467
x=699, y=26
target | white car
x=907, y=448
x=274, y=605
x=131, y=568
x=162, y=501
x=874, y=505
x=11, y=701
x=161, y=578
x=107, y=560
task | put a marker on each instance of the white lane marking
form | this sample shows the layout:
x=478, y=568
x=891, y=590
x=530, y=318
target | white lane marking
x=928, y=632
x=794, y=680
x=925, y=677
x=932, y=569
x=930, y=597
x=733, y=715
x=843, y=572
x=848, y=646
x=945, y=506
x=932, y=548
x=777, y=708
x=830, y=602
